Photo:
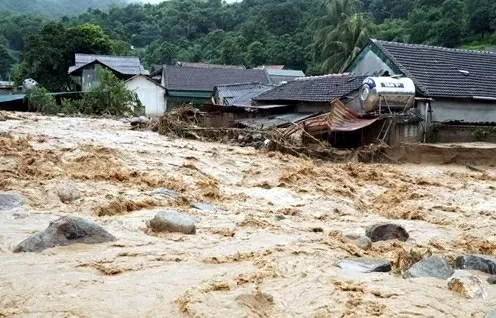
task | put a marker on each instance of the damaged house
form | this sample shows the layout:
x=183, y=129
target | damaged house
x=454, y=95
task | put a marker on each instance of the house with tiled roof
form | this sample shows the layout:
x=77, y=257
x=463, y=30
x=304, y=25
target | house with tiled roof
x=314, y=93
x=195, y=85
x=453, y=86
x=85, y=67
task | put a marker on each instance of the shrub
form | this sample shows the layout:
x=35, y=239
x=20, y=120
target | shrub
x=480, y=134
x=39, y=100
x=109, y=96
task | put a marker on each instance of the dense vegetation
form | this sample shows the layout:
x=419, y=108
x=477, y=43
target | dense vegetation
x=313, y=35
x=54, y=8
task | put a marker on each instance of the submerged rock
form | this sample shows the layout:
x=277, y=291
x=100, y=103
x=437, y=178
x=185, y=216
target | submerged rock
x=68, y=192
x=360, y=241
x=172, y=221
x=9, y=201
x=433, y=266
x=386, y=231
x=478, y=262
x=492, y=280
x=165, y=193
x=205, y=207
x=65, y=231
x=365, y=265
x=467, y=284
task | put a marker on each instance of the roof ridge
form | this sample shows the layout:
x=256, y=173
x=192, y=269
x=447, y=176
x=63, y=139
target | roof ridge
x=442, y=48
x=116, y=56
x=334, y=75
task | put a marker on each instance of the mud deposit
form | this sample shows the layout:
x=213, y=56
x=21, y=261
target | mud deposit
x=268, y=248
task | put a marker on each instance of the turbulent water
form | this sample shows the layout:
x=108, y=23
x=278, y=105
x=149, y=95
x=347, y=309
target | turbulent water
x=268, y=250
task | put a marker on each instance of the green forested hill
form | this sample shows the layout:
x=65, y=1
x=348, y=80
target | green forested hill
x=54, y=8
x=317, y=36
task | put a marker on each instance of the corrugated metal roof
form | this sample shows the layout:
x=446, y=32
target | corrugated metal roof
x=239, y=95
x=127, y=65
x=10, y=98
x=275, y=120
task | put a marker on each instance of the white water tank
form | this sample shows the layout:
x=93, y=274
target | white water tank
x=28, y=84
x=396, y=92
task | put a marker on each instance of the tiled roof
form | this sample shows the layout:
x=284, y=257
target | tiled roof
x=314, y=89
x=127, y=65
x=444, y=72
x=239, y=95
x=205, y=79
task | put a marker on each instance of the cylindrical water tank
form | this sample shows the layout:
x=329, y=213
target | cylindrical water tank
x=395, y=90
x=28, y=84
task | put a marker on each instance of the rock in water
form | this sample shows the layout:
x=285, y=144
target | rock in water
x=65, y=231
x=205, y=207
x=478, y=262
x=365, y=265
x=172, y=221
x=68, y=192
x=166, y=193
x=386, y=231
x=361, y=241
x=492, y=280
x=434, y=266
x=9, y=201
x=467, y=284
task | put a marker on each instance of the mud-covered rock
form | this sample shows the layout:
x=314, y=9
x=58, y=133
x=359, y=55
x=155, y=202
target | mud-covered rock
x=139, y=121
x=478, y=262
x=433, y=266
x=365, y=265
x=360, y=241
x=68, y=192
x=205, y=207
x=386, y=231
x=467, y=284
x=65, y=231
x=172, y=221
x=9, y=201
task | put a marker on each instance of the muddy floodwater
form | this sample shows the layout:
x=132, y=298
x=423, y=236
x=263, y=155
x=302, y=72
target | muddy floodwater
x=267, y=250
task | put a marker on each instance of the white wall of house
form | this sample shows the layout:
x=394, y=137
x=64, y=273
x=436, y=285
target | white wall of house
x=151, y=95
x=467, y=111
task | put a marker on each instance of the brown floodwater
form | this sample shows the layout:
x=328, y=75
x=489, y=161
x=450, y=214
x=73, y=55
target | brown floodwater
x=268, y=250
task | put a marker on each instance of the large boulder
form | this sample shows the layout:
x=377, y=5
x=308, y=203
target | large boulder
x=172, y=221
x=9, y=201
x=386, y=232
x=67, y=192
x=478, y=262
x=433, y=266
x=65, y=231
x=467, y=284
x=365, y=265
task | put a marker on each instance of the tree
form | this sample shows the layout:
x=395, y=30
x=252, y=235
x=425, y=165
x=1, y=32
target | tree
x=255, y=56
x=337, y=44
x=48, y=55
x=450, y=26
x=5, y=61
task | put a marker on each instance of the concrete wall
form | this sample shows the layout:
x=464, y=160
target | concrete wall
x=150, y=95
x=467, y=111
x=461, y=133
